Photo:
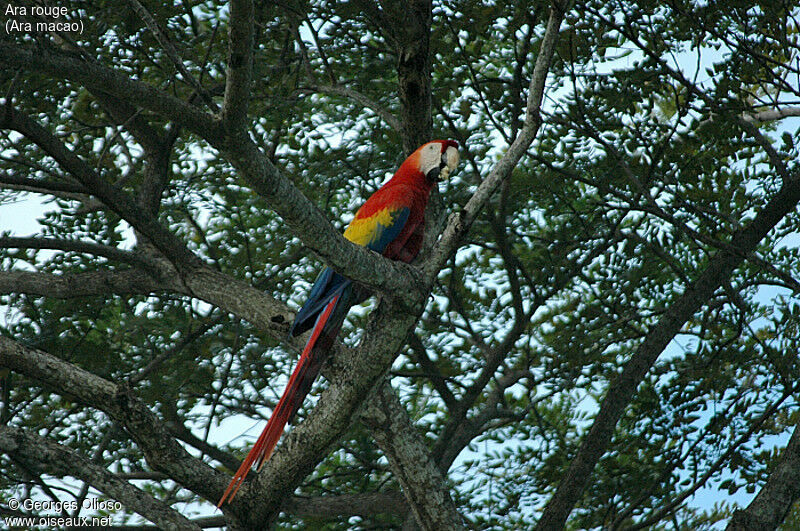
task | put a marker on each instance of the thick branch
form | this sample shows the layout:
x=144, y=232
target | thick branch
x=41, y=186
x=356, y=373
x=161, y=450
x=367, y=504
x=411, y=22
x=240, y=66
x=155, y=178
x=621, y=391
x=229, y=294
x=68, y=286
x=241, y=299
x=423, y=483
x=776, y=497
x=39, y=453
x=771, y=114
x=106, y=80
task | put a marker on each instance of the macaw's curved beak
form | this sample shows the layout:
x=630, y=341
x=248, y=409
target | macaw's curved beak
x=448, y=163
x=433, y=174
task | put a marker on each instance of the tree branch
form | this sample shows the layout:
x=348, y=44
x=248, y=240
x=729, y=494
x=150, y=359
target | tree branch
x=111, y=196
x=185, y=434
x=37, y=452
x=131, y=119
x=411, y=23
x=106, y=80
x=432, y=372
x=367, y=504
x=88, y=284
x=240, y=67
x=459, y=223
x=241, y=299
x=776, y=497
x=171, y=52
x=106, y=251
x=356, y=373
x=423, y=483
x=621, y=391
x=346, y=92
x=665, y=510
x=771, y=114
x=161, y=450
x=41, y=186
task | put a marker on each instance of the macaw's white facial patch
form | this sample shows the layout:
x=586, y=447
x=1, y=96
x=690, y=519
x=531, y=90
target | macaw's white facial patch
x=430, y=157
x=437, y=159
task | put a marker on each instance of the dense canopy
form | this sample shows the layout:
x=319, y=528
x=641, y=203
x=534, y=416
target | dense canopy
x=602, y=330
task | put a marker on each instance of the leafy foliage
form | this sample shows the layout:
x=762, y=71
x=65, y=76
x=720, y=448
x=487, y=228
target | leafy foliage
x=651, y=156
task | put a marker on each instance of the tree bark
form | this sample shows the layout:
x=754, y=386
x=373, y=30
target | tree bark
x=37, y=452
x=621, y=391
x=424, y=485
x=775, y=499
x=161, y=450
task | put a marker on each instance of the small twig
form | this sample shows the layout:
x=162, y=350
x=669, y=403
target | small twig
x=106, y=251
x=172, y=53
x=339, y=90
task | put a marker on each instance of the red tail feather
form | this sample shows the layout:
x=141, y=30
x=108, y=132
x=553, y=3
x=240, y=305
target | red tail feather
x=265, y=445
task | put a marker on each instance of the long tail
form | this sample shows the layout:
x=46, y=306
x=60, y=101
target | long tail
x=314, y=354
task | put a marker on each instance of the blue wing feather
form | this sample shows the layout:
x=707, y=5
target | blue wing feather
x=385, y=234
x=328, y=284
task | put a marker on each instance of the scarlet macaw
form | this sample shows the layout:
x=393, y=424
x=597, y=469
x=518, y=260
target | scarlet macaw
x=390, y=222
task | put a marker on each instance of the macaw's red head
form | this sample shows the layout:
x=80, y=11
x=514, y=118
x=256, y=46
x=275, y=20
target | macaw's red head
x=433, y=160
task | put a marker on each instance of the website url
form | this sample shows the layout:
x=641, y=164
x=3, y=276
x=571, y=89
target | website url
x=56, y=521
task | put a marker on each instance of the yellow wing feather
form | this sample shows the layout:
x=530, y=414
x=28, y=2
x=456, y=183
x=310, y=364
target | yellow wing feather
x=367, y=230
